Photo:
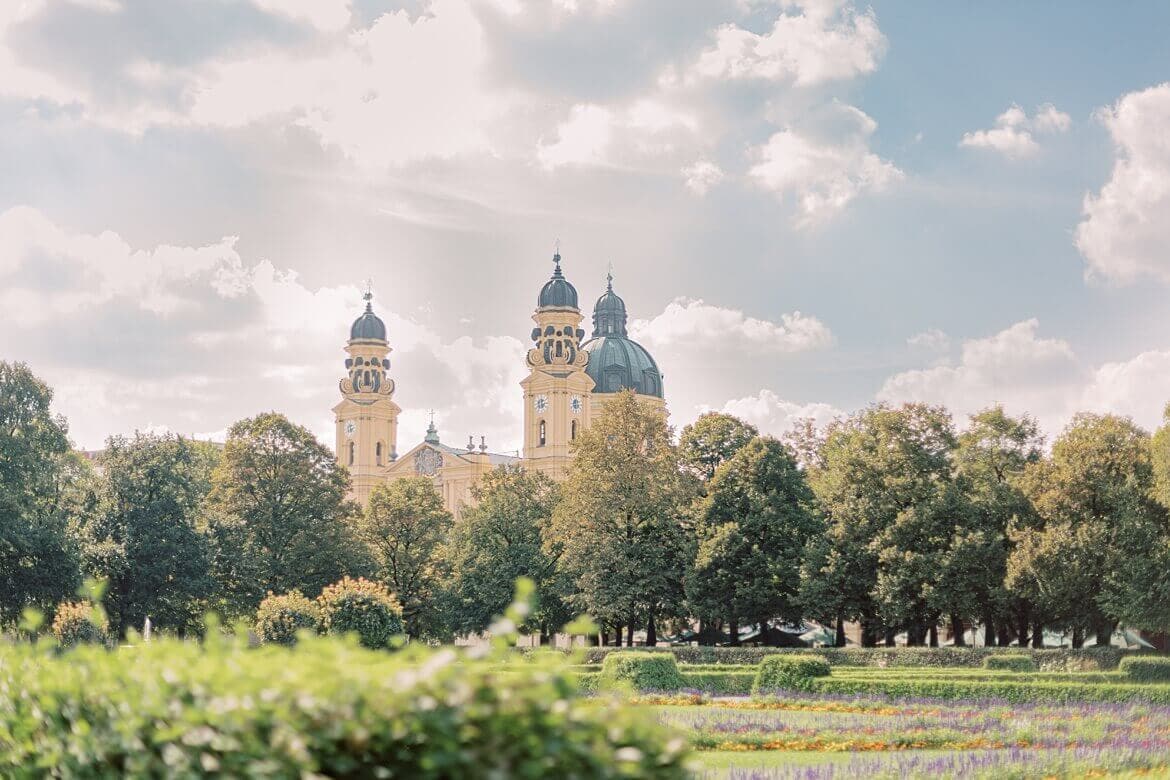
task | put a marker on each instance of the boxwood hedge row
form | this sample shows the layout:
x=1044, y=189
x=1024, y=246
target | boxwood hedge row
x=1016, y=692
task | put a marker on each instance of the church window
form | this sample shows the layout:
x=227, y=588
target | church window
x=352, y=448
x=378, y=453
x=573, y=430
x=542, y=437
x=560, y=348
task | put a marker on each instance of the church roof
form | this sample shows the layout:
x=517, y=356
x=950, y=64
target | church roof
x=557, y=293
x=368, y=326
x=617, y=362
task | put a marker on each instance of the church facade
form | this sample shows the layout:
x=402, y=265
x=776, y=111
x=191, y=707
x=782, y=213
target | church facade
x=570, y=380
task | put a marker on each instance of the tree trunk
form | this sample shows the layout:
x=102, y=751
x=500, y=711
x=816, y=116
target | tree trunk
x=1104, y=634
x=1037, y=635
x=544, y=635
x=1078, y=638
x=733, y=631
x=958, y=632
x=839, y=640
x=988, y=630
x=630, y=633
x=603, y=637
x=651, y=632
x=934, y=633
x=890, y=637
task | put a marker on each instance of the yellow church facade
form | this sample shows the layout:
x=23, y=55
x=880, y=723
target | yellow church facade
x=570, y=380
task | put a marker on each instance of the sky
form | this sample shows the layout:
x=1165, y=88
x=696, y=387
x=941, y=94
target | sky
x=809, y=206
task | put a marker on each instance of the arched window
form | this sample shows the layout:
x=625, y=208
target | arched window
x=378, y=453
x=352, y=448
x=560, y=347
x=541, y=434
x=573, y=430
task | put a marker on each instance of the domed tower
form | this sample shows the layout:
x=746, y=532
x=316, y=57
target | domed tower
x=557, y=390
x=367, y=417
x=617, y=362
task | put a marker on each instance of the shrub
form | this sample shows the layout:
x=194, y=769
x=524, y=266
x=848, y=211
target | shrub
x=360, y=607
x=321, y=709
x=644, y=671
x=1011, y=691
x=779, y=672
x=80, y=623
x=1010, y=663
x=279, y=618
x=1147, y=669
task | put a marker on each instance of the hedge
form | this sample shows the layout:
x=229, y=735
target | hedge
x=778, y=672
x=1010, y=663
x=1015, y=692
x=279, y=618
x=1149, y=669
x=1049, y=660
x=643, y=671
x=714, y=683
x=361, y=607
x=80, y=623
x=325, y=708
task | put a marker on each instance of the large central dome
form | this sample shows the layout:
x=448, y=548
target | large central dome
x=616, y=362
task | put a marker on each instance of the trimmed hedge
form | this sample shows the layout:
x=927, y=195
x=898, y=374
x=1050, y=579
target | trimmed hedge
x=714, y=683
x=1010, y=663
x=780, y=672
x=1149, y=669
x=361, y=607
x=1015, y=692
x=643, y=671
x=279, y=618
x=80, y=623
x=321, y=709
x=1089, y=659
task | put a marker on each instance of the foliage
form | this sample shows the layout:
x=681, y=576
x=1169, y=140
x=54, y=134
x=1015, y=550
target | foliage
x=39, y=563
x=1014, y=692
x=280, y=618
x=79, y=622
x=715, y=683
x=786, y=672
x=752, y=528
x=642, y=671
x=324, y=708
x=142, y=536
x=618, y=529
x=362, y=607
x=1011, y=663
x=711, y=441
x=1146, y=669
x=278, y=516
x=404, y=524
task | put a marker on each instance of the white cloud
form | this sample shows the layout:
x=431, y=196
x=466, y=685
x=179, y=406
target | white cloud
x=1125, y=232
x=1014, y=131
x=821, y=42
x=824, y=174
x=701, y=175
x=582, y=139
x=689, y=322
x=933, y=340
x=325, y=15
x=604, y=135
x=774, y=416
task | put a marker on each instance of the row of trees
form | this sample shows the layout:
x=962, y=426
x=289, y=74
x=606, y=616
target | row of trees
x=890, y=518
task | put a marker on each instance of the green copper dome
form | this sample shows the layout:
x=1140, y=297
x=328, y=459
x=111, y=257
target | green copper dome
x=368, y=326
x=616, y=362
x=557, y=292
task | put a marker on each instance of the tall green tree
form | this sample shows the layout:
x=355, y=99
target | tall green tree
x=39, y=563
x=877, y=477
x=405, y=524
x=143, y=535
x=499, y=540
x=278, y=515
x=1094, y=500
x=619, y=526
x=752, y=528
x=711, y=441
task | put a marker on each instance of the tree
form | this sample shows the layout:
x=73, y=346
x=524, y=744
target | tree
x=712, y=440
x=404, y=524
x=499, y=540
x=618, y=526
x=143, y=535
x=39, y=563
x=278, y=515
x=872, y=470
x=752, y=527
x=1094, y=501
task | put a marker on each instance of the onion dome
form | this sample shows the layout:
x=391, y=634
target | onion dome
x=616, y=362
x=368, y=327
x=557, y=293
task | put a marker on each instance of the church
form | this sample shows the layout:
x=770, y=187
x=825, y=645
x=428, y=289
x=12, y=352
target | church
x=570, y=380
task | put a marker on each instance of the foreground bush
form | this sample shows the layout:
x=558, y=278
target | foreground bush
x=779, y=672
x=325, y=708
x=1151, y=669
x=280, y=618
x=1010, y=663
x=361, y=607
x=643, y=671
x=79, y=623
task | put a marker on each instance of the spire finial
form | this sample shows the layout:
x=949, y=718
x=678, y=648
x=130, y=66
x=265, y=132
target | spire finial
x=609, y=278
x=432, y=436
x=368, y=295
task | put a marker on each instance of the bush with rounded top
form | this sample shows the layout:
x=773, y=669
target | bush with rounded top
x=642, y=671
x=1147, y=669
x=1010, y=663
x=780, y=672
x=79, y=623
x=360, y=607
x=279, y=618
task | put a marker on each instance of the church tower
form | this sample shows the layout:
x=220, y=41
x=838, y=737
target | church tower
x=558, y=391
x=367, y=417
